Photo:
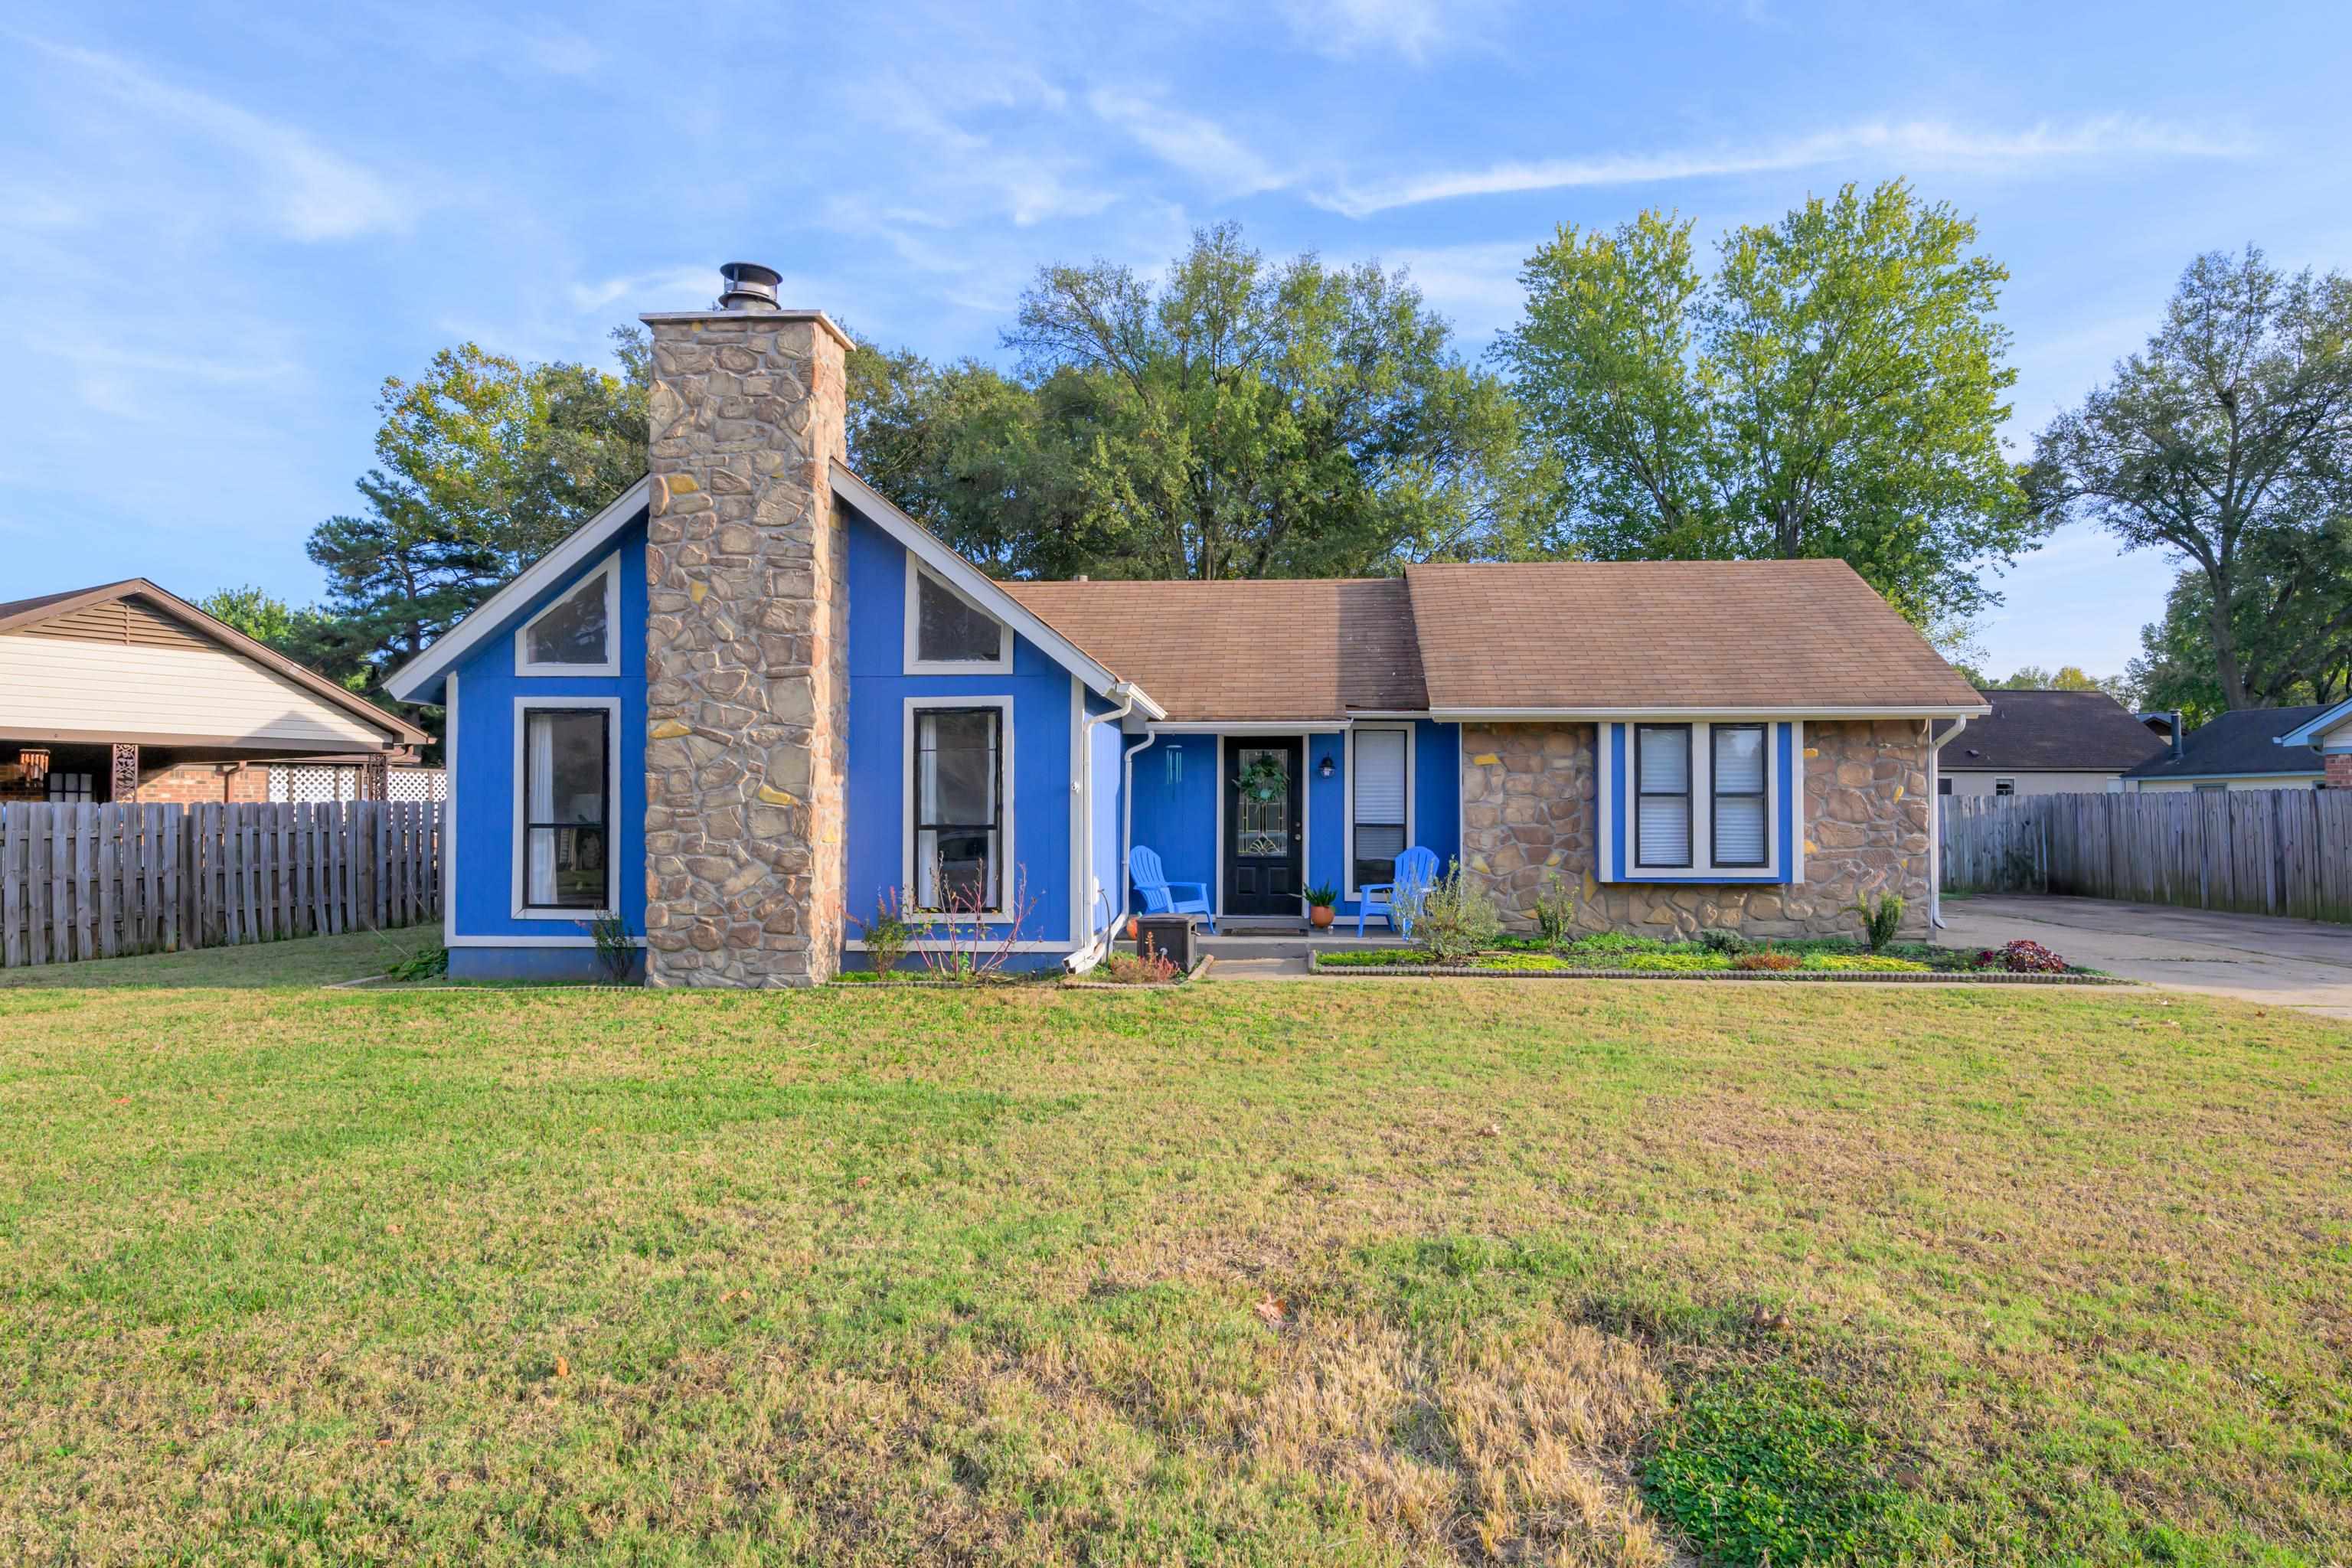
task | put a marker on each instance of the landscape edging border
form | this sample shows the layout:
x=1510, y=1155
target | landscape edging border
x=1804, y=976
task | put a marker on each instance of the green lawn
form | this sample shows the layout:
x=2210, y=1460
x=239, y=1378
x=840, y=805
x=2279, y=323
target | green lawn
x=1311, y=1272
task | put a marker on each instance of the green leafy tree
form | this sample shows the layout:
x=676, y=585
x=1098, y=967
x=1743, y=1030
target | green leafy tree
x=483, y=464
x=2065, y=677
x=1835, y=389
x=1237, y=417
x=2300, y=638
x=2227, y=441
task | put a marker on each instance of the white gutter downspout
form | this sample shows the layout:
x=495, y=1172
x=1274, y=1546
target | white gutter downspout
x=1097, y=941
x=1936, y=821
x=1126, y=829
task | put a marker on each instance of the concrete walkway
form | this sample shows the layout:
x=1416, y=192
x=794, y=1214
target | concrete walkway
x=2302, y=965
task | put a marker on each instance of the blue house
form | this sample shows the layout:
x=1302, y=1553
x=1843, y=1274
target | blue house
x=752, y=700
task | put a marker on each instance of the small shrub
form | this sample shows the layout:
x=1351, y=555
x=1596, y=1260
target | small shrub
x=1606, y=941
x=1556, y=912
x=1879, y=920
x=1456, y=917
x=2021, y=958
x=1767, y=957
x=429, y=964
x=889, y=935
x=1149, y=966
x=616, y=950
x=1716, y=939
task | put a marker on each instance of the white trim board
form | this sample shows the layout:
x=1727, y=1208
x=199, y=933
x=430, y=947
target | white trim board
x=523, y=706
x=419, y=673
x=609, y=570
x=975, y=585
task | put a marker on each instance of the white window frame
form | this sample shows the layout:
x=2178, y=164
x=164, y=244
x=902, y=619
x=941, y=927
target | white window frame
x=1004, y=913
x=1348, y=801
x=914, y=663
x=519, y=907
x=610, y=570
x=1703, y=867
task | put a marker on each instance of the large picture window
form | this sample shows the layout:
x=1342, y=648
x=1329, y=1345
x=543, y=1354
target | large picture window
x=1738, y=773
x=1661, y=812
x=1377, y=790
x=958, y=823
x=567, y=808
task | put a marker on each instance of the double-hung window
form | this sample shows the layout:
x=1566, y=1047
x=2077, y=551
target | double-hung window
x=1662, y=808
x=956, y=833
x=566, y=780
x=1380, y=825
x=1738, y=779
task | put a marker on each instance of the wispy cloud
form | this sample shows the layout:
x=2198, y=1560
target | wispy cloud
x=1413, y=28
x=1919, y=143
x=308, y=191
x=1197, y=145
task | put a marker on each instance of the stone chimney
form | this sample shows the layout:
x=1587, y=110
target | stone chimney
x=746, y=687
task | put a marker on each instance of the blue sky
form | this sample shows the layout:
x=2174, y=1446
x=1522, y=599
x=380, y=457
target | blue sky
x=222, y=226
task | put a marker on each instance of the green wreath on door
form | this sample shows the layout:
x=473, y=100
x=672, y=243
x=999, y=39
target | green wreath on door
x=1266, y=780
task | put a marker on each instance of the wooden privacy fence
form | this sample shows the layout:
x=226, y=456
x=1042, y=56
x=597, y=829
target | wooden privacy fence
x=100, y=881
x=2262, y=852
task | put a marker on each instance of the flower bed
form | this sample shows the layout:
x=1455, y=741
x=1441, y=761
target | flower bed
x=1610, y=956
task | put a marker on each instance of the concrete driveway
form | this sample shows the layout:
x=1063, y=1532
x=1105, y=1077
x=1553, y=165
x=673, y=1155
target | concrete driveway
x=2302, y=965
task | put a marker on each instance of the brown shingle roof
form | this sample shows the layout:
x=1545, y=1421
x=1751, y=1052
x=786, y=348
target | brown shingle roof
x=1562, y=634
x=1671, y=634
x=1246, y=647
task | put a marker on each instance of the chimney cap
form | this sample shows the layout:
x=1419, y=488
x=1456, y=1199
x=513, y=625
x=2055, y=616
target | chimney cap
x=748, y=287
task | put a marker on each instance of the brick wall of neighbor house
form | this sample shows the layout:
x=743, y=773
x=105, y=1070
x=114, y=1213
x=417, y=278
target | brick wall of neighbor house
x=1533, y=808
x=203, y=783
x=746, y=650
x=2339, y=771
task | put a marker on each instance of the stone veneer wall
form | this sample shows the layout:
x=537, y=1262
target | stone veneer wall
x=746, y=651
x=1530, y=797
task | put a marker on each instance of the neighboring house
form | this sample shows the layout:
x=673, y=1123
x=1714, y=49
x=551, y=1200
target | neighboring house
x=2046, y=743
x=2329, y=733
x=125, y=693
x=2246, y=748
x=751, y=697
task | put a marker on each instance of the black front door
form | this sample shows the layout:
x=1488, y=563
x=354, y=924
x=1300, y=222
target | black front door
x=1264, y=830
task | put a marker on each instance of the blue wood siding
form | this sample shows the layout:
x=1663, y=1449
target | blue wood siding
x=486, y=806
x=880, y=778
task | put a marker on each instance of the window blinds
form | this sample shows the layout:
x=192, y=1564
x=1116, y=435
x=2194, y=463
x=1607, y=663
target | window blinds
x=1662, y=815
x=1738, y=795
x=1380, y=776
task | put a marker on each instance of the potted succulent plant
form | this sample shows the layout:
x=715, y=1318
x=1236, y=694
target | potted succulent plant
x=1320, y=901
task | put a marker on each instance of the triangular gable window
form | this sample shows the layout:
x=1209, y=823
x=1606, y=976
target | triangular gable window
x=946, y=634
x=580, y=633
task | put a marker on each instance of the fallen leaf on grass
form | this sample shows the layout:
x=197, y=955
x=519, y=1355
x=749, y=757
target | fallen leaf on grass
x=563, y=1367
x=1272, y=1312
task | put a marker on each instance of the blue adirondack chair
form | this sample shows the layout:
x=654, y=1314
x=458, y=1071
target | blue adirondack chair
x=1416, y=868
x=1160, y=893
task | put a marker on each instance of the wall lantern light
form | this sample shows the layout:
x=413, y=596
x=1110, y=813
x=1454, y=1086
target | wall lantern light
x=1324, y=768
